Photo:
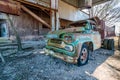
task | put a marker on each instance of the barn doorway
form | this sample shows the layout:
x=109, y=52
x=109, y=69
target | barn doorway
x=3, y=29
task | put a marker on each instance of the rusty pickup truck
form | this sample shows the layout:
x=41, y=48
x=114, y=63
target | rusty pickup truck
x=74, y=43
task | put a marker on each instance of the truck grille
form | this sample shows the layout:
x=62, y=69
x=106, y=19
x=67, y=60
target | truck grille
x=57, y=41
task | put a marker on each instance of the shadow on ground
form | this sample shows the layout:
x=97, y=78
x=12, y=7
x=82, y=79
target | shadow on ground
x=41, y=67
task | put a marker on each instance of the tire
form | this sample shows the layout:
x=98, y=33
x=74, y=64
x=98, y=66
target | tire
x=83, y=56
x=105, y=44
x=111, y=44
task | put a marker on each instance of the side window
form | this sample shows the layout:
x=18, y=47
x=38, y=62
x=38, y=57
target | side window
x=92, y=26
x=88, y=26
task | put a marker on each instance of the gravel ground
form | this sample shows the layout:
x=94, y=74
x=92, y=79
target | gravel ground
x=37, y=66
x=41, y=67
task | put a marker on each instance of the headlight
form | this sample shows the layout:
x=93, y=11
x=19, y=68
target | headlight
x=69, y=48
x=68, y=39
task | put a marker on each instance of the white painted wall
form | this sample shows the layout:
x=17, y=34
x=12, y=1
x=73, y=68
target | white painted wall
x=69, y=12
x=117, y=28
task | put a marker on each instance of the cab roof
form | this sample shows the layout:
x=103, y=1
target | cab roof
x=94, y=20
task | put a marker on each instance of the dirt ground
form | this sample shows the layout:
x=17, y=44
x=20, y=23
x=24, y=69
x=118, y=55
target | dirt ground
x=110, y=68
x=37, y=66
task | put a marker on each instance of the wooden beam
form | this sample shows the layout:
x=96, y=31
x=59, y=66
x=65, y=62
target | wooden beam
x=10, y=8
x=35, y=16
x=35, y=5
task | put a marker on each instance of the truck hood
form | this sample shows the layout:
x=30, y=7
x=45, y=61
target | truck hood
x=56, y=34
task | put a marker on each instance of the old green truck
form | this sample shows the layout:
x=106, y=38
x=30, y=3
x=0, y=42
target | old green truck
x=74, y=43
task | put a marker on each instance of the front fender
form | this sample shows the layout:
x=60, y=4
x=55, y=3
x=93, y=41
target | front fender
x=82, y=40
x=78, y=44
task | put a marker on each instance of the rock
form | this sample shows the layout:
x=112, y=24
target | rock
x=41, y=71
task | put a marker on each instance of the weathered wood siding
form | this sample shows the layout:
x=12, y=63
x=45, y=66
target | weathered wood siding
x=8, y=7
x=28, y=27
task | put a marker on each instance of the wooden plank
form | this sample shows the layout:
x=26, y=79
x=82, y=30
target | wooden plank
x=7, y=7
x=82, y=5
x=35, y=5
x=35, y=16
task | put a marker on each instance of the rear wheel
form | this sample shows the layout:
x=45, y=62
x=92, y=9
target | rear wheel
x=84, y=55
x=111, y=44
x=105, y=44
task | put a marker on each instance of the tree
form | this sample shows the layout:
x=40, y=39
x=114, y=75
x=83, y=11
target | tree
x=15, y=32
x=108, y=11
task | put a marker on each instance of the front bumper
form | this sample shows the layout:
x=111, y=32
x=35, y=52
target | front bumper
x=61, y=56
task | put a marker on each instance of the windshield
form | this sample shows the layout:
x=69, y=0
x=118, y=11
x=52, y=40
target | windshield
x=77, y=24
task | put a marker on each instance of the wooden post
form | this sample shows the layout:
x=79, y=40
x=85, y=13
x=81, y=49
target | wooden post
x=53, y=20
x=54, y=15
x=57, y=21
x=35, y=16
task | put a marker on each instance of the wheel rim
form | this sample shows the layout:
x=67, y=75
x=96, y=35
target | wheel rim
x=84, y=54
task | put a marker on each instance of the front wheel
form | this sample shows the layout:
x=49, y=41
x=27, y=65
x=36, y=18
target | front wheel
x=84, y=55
